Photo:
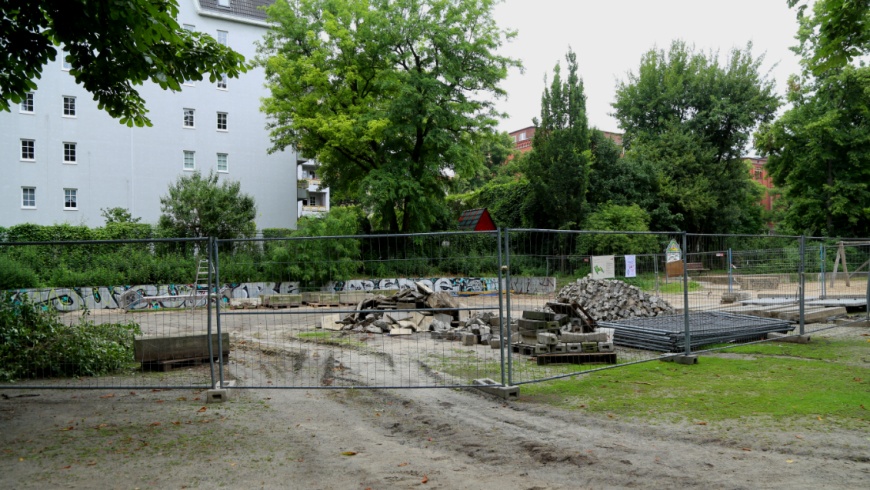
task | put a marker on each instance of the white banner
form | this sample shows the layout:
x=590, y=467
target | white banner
x=603, y=267
x=630, y=266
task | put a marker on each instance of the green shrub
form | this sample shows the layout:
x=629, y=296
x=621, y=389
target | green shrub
x=34, y=343
x=15, y=275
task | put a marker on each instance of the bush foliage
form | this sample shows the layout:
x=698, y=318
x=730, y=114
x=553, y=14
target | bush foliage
x=34, y=343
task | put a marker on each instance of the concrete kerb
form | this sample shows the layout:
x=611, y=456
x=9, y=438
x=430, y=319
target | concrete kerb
x=681, y=359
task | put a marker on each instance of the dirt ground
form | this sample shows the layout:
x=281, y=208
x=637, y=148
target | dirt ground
x=382, y=439
x=416, y=438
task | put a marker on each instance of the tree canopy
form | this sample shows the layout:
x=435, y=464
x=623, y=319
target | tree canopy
x=197, y=206
x=111, y=46
x=833, y=34
x=690, y=118
x=390, y=96
x=819, y=154
x=558, y=166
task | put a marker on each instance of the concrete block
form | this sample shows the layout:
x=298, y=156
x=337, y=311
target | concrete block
x=244, y=302
x=188, y=346
x=352, y=297
x=572, y=337
x=401, y=331
x=330, y=322
x=589, y=347
x=682, y=359
x=782, y=337
x=562, y=319
x=735, y=297
x=491, y=387
x=396, y=316
x=424, y=323
x=547, y=338
x=495, y=343
x=469, y=339
x=445, y=319
x=560, y=348
x=282, y=300
x=542, y=349
x=574, y=347
x=606, y=347
x=609, y=332
x=217, y=395
x=539, y=315
x=407, y=324
x=464, y=315
x=493, y=322
x=415, y=317
x=405, y=305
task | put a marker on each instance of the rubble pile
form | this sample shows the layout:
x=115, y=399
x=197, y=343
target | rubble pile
x=451, y=320
x=610, y=299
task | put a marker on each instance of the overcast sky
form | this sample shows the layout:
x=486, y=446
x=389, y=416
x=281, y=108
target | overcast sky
x=609, y=37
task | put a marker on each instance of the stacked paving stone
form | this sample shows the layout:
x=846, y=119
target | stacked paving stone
x=610, y=299
x=548, y=332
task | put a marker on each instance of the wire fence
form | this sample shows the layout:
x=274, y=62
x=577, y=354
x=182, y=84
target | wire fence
x=506, y=307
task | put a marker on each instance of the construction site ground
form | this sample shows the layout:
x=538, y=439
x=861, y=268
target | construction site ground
x=375, y=438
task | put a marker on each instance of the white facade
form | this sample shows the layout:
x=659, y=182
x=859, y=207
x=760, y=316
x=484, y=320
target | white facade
x=63, y=159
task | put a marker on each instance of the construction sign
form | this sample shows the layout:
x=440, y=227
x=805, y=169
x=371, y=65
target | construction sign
x=673, y=252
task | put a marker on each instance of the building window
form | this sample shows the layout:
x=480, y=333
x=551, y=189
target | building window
x=222, y=37
x=69, y=153
x=222, y=164
x=28, y=150
x=221, y=121
x=189, y=27
x=223, y=3
x=758, y=173
x=28, y=197
x=222, y=82
x=70, y=200
x=522, y=136
x=188, y=118
x=27, y=103
x=69, y=106
x=312, y=200
x=189, y=161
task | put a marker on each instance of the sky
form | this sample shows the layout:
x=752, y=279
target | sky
x=609, y=37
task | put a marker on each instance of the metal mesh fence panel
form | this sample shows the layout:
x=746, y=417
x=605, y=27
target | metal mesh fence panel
x=70, y=312
x=597, y=276
x=398, y=311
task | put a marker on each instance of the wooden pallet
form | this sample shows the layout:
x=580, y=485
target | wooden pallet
x=170, y=364
x=577, y=358
x=524, y=349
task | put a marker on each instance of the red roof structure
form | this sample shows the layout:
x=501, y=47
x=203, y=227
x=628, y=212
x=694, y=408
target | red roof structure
x=476, y=220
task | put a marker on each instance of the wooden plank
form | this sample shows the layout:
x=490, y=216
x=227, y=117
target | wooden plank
x=577, y=358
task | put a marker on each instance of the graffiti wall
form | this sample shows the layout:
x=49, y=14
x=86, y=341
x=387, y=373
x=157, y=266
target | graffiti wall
x=181, y=295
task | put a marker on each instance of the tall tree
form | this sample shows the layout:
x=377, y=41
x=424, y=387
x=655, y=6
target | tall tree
x=111, y=46
x=558, y=166
x=819, y=154
x=197, y=206
x=389, y=95
x=690, y=117
x=834, y=34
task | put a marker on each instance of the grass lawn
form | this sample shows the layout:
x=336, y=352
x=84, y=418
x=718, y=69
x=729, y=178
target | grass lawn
x=825, y=380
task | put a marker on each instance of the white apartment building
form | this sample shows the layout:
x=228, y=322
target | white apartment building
x=63, y=159
x=313, y=199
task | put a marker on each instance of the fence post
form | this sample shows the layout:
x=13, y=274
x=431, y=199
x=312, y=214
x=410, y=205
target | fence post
x=867, y=295
x=210, y=247
x=507, y=313
x=501, y=293
x=802, y=281
x=730, y=273
x=822, y=260
x=217, y=306
x=688, y=334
